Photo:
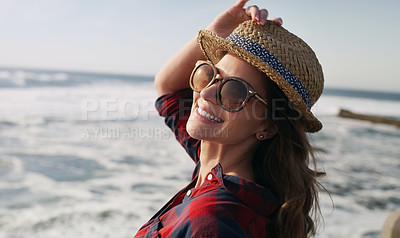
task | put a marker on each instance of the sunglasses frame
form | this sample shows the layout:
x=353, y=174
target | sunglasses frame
x=250, y=92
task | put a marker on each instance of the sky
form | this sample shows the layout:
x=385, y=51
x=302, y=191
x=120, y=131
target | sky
x=356, y=41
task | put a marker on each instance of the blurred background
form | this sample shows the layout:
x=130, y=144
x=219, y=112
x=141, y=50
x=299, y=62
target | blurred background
x=84, y=153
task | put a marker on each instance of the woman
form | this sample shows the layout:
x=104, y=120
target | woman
x=242, y=117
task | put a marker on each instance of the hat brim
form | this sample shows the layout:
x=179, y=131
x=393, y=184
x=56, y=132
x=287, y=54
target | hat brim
x=211, y=44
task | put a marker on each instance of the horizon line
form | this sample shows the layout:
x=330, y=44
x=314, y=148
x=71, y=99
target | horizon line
x=114, y=73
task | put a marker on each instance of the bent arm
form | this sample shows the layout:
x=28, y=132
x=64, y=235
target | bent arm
x=174, y=75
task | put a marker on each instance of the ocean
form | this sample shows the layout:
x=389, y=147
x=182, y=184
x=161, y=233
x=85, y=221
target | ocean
x=86, y=155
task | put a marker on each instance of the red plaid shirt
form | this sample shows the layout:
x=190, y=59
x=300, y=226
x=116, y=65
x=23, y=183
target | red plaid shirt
x=223, y=206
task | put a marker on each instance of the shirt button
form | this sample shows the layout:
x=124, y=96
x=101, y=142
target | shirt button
x=210, y=176
x=188, y=193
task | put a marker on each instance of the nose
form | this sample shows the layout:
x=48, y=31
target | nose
x=210, y=93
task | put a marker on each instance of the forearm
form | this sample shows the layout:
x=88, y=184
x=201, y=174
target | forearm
x=174, y=75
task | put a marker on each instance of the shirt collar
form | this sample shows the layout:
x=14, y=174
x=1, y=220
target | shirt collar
x=259, y=198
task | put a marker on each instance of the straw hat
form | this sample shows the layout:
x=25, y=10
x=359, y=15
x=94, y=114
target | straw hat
x=283, y=57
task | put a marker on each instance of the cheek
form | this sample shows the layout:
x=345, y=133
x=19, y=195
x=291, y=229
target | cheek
x=247, y=121
x=257, y=111
x=252, y=113
x=195, y=98
x=190, y=120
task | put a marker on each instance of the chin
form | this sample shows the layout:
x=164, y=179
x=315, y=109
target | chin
x=201, y=131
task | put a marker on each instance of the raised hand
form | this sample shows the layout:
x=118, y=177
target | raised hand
x=228, y=20
x=174, y=75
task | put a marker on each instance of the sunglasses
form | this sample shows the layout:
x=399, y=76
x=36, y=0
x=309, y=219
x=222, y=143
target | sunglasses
x=233, y=93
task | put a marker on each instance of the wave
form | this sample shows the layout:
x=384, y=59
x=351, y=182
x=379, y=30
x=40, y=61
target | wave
x=20, y=78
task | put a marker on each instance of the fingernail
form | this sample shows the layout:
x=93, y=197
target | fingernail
x=262, y=21
x=257, y=18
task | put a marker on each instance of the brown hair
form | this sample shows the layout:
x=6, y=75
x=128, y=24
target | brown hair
x=281, y=163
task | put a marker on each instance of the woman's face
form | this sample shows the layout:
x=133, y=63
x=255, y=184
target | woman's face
x=223, y=126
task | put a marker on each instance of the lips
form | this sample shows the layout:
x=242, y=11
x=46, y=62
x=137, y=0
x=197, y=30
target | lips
x=209, y=116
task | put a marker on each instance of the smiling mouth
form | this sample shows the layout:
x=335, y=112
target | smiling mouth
x=209, y=116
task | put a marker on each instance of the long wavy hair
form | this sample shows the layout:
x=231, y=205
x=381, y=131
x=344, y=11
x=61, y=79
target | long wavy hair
x=282, y=163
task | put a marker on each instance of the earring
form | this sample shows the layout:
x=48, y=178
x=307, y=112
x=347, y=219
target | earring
x=261, y=137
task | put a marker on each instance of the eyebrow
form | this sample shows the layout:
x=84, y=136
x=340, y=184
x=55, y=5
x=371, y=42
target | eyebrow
x=224, y=74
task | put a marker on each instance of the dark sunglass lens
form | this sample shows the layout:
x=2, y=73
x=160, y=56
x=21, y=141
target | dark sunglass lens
x=202, y=76
x=233, y=94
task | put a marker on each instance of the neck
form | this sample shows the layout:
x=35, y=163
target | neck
x=235, y=159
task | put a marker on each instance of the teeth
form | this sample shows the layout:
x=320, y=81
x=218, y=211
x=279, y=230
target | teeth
x=209, y=116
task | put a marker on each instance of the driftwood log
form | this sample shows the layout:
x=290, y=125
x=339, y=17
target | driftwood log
x=391, y=227
x=371, y=118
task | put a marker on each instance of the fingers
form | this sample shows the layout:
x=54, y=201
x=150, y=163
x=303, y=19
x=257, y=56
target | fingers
x=253, y=12
x=277, y=20
x=256, y=14
x=263, y=16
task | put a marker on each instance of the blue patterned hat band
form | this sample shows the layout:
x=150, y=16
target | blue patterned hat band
x=273, y=62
